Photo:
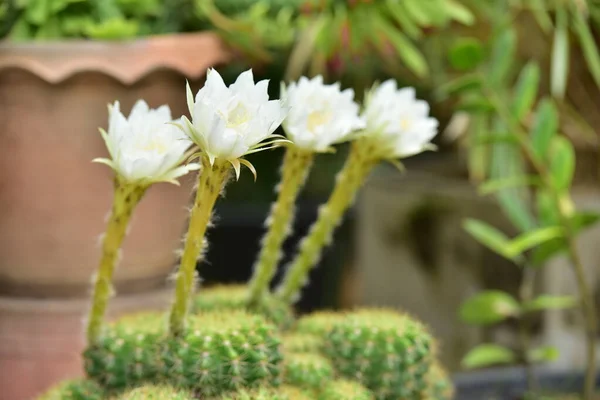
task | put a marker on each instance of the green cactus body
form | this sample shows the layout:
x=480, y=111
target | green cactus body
x=318, y=323
x=219, y=351
x=128, y=354
x=295, y=168
x=281, y=393
x=152, y=392
x=343, y=389
x=80, y=389
x=307, y=370
x=301, y=343
x=234, y=297
x=224, y=351
x=440, y=385
x=388, y=352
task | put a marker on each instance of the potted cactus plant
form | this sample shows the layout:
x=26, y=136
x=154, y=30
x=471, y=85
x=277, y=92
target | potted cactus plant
x=244, y=341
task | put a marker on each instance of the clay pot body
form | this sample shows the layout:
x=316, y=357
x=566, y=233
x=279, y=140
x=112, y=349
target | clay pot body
x=53, y=199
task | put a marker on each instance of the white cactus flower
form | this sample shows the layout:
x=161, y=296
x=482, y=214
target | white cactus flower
x=398, y=123
x=230, y=122
x=320, y=115
x=145, y=148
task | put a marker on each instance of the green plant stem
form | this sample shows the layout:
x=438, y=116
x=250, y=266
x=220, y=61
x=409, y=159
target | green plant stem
x=295, y=168
x=126, y=197
x=587, y=300
x=211, y=181
x=525, y=295
x=358, y=165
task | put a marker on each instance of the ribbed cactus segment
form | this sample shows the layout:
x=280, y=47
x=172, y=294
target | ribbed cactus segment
x=265, y=393
x=388, y=352
x=301, y=343
x=235, y=297
x=223, y=351
x=128, y=353
x=307, y=370
x=154, y=392
x=318, y=323
x=79, y=389
x=343, y=389
x=440, y=385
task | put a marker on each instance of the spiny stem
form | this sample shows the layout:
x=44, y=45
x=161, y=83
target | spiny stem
x=211, y=181
x=587, y=300
x=348, y=181
x=295, y=168
x=126, y=197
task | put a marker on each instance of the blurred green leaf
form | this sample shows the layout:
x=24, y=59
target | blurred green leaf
x=545, y=127
x=543, y=354
x=415, y=9
x=406, y=50
x=459, y=12
x=562, y=162
x=510, y=182
x=531, y=239
x=37, y=11
x=526, y=90
x=487, y=235
x=489, y=307
x=584, y=219
x=475, y=105
x=560, y=55
x=113, y=29
x=548, y=302
x=399, y=13
x=503, y=54
x=486, y=355
x=588, y=44
x=466, y=54
x=459, y=85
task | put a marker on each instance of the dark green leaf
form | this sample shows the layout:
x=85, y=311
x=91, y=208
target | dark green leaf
x=486, y=355
x=548, y=302
x=543, y=354
x=545, y=127
x=547, y=250
x=526, y=90
x=489, y=307
x=466, y=54
x=488, y=236
x=562, y=163
x=475, y=105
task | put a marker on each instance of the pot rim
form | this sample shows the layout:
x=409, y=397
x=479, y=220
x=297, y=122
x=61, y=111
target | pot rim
x=189, y=54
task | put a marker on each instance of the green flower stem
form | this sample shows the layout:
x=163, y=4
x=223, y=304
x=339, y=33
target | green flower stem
x=295, y=168
x=211, y=181
x=126, y=197
x=358, y=165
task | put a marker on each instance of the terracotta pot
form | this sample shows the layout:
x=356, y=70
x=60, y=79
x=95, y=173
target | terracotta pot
x=41, y=340
x=53, y=200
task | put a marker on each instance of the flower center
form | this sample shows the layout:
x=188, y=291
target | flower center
x=154, y=145
x=317, y=118
x=238, y=116
x=405, y=123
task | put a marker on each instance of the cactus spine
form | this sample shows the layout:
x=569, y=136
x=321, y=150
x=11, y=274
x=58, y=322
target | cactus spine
x=358, y=165
x=307, y=370
x=126, y=197
x=80, y=389
x=295, y=168
x=342, y=389
x=153, y=392
x=212, y=179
